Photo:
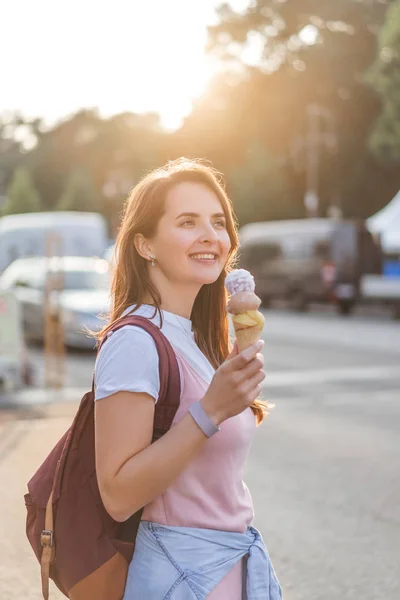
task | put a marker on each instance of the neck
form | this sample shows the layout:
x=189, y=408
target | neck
x=177, y=299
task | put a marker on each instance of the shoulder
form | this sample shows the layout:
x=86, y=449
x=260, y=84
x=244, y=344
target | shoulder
x=127, y=361
x=131, y=339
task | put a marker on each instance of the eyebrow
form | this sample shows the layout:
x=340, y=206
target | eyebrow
x=192, y=214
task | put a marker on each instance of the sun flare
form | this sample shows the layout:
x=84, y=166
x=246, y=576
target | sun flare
x=120, y=56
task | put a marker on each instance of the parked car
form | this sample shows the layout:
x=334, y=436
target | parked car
x=309, y=260
x=84, y=294
x=16, y=368
x=74, y=234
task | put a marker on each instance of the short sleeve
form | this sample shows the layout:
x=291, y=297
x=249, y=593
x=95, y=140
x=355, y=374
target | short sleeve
x=128, y=361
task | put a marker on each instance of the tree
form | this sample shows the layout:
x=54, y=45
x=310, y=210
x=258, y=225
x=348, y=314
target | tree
x=11, y=155
x=384, y=76
x=78, y=194
x=283, y=57
x=111, y=154
x=22, y=196
x=259, y=189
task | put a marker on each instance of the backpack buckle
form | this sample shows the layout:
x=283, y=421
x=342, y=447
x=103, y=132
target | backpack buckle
x=46, y=538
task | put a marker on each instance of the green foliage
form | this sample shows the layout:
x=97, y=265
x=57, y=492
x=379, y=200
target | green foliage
x=270, y=100
x=22, y=196
x=384, y=76
x=278, y=27
x=78, y=194
x=251, y=123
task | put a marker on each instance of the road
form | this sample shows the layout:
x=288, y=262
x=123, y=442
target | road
x=324, y=468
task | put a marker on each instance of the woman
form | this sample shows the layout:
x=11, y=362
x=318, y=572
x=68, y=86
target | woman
x=175, y=246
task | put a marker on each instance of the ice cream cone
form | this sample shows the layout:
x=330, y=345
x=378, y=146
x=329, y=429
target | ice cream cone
x=248, y=336
x=243, y=306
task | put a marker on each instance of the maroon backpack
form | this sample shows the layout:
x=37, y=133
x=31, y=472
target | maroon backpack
x=78, y=544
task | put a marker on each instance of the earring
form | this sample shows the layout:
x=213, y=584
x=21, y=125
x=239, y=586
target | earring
x=153, y=260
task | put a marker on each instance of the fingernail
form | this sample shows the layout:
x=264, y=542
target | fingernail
x=260, y=344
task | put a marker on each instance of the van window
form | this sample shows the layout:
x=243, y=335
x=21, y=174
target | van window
x=272, y=250
x=322, y=250
x=256, y=254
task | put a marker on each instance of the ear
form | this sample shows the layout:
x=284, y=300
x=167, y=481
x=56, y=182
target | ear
x=142, y=246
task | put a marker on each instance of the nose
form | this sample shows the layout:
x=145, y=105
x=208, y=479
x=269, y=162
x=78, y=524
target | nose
x=208, y=233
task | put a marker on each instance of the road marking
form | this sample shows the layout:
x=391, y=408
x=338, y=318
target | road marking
x=291, y=378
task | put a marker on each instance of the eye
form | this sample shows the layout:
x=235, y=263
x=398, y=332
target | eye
x=187, y=222
x=220, y=223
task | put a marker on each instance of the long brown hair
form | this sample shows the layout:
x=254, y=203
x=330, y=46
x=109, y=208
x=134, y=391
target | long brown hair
x=130, y=282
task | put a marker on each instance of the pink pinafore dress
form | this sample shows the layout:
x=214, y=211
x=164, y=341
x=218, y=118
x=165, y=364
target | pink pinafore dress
x=210, y=492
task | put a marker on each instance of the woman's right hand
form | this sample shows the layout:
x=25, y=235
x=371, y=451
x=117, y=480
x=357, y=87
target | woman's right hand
x=236, y=384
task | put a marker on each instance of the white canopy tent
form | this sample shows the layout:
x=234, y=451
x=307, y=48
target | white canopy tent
x=386, y=222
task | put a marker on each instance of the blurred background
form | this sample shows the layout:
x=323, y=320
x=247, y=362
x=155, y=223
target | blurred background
x=298, y=104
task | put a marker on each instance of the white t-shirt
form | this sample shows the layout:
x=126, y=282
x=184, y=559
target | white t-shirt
x=128, y=360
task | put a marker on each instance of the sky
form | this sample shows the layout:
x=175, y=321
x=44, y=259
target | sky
x=119, y=55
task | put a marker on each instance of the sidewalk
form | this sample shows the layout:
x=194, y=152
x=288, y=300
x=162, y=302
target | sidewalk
x=27, y=434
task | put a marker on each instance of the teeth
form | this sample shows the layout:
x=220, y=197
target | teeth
x=204, y=256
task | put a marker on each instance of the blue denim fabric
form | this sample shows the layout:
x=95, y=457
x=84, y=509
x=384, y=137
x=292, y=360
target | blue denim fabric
x=185, y=563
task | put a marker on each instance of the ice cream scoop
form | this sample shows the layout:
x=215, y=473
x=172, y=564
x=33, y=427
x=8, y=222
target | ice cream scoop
x=239, y=280
x=242, y=301
x=243, y=306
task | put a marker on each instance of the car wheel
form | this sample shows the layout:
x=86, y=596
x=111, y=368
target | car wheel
x=396, y=311
x=345, y=307
x=265, y=301
x=298, y=301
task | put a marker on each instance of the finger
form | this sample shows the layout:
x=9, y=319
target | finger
x=253, y=367
x=244, y=357
x=234, y=351
x=254, y=382
x=255, y=394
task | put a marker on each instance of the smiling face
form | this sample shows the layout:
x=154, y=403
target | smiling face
x=192, y=243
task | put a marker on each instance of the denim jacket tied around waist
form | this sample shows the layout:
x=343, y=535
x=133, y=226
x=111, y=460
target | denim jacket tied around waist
x=187, y=563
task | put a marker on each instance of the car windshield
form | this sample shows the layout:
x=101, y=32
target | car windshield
x=85, y=280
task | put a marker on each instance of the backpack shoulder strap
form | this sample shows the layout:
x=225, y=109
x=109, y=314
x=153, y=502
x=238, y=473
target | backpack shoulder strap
x=170, y=384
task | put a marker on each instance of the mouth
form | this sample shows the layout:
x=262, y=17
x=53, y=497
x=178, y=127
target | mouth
x=205, y=257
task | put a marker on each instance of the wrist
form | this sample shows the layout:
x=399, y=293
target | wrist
x=208, y=427
x=215, y=416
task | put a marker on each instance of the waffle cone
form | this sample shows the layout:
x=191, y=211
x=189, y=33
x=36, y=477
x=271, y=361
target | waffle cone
x=248, y=336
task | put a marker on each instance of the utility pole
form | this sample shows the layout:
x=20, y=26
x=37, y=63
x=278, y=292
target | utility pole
x=54, y=347
x=314, y=138
x=311, y=200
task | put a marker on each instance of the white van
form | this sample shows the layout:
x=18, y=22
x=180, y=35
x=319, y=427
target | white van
x=80, y=234
x=308, y=260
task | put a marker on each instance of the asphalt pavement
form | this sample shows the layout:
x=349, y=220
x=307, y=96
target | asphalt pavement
x=323, y=471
